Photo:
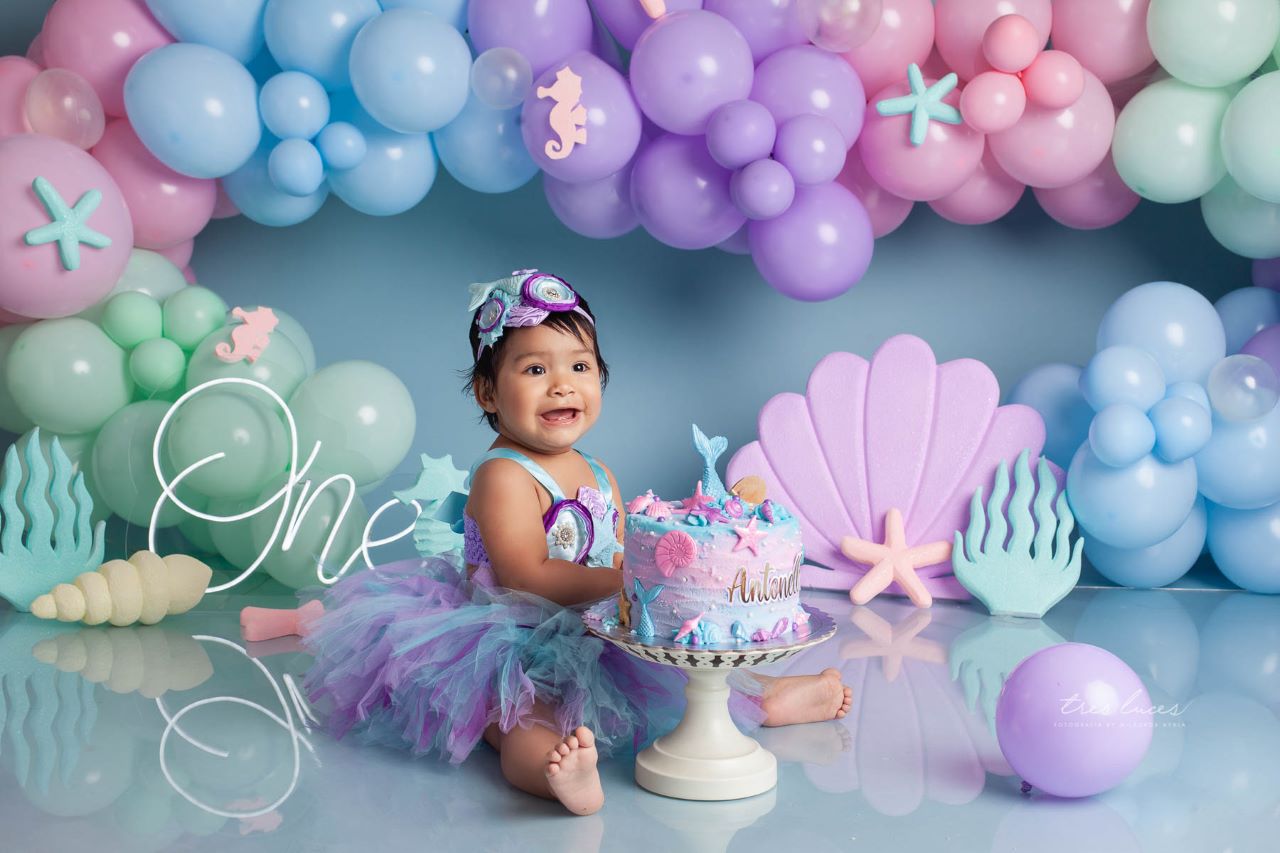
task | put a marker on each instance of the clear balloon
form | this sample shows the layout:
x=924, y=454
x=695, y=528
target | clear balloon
x=1108, y=37
x=395, y=174
x=315, y=36
x=1212, y=44
x=241, y=423
x=294, y=105
x=122, y=467
x=1243, y=388
x=600, y=209
x=1243, y=223
x=1245, y=312
x=811, y=148
x=1011, y=43
x=1182, y=427
x=191, y=315
x=768, y=27
x=808, y=80
x=342, y=145
x=993, y=101
x=545, y=32
x=740, y=132
x=839, y=25
x=987, y=195
x=1131, y=507
x=1246, y=546
x=62, y=104
x=1055, y=80
x=1098, y=200
x=295, y=167
x=1120, y=435
x=1170, y=321
x=483, y=149
x=501, y=78
x=232, y=26
x=763, y=189
x=904, y=36
x=67, y=376
x=16, y=74
x=1122, y=374
x=886, y=211
x=1053, y=390
x=1155, y=565
x=961, y=24
x=681, y=195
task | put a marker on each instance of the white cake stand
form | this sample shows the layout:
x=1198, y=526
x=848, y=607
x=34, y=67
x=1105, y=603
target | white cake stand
x=706, y=757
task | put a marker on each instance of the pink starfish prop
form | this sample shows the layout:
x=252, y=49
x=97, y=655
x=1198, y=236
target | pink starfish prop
x=893, y=561
x=699, y=500
x=749, y=537
x=893, y=643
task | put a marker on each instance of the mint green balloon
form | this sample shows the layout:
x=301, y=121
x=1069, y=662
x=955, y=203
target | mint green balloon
x=235, y=420
x=292, y=329
x=11, y=417
x=67, y=376
x=130, y=318
x=147, y=272
x=280, y=366
x=1244, y=224
x=1166, y=141
x=361, y=413
x=296, y=567
x=157, y=365
x=1249, y=138
x=1209, y=43
x=122, y=469
x=233, y=539
x=191, y=314
x=198, y=535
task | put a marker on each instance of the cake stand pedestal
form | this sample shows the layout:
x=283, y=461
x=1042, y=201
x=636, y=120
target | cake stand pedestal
x=706, y=757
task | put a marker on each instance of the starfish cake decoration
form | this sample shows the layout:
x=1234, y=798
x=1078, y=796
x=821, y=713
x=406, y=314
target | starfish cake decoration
x=749, y=537
x=68, y=228
x=697, y=502
x=893, y=561
x=924, y=103
x=893, y=643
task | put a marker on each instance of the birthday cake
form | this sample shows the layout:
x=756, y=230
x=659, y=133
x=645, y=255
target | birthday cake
x=721, y=566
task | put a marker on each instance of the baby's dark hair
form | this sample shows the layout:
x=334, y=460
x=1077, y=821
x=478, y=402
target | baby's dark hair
x=485, y=369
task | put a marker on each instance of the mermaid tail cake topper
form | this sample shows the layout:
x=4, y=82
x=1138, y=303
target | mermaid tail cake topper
x=644, y=597
x=710, y=449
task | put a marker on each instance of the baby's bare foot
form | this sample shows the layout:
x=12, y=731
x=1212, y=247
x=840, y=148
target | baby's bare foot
x=572, y=774
x=806, y=699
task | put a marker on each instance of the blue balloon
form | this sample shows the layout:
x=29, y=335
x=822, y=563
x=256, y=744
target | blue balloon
x=396, y=173
x=294, y=105
x=1155, y=565
x=1120, y=435
x=315, y=36
x=483, y=149
x=263, y=67
x=1182, y=427
x=1247, y=311
x=1246, y=546
x=1240, y=466
x=1122, y=374
x=1130, y=507
x=195, y=108
x=253, y=192
x=453, y=11
x=232, y=26
x=1238, y=647
x=1053, y=390
x=342, y=145
x=295, y=167
x=1192, y=391
x=1173, y=323
x=1151, y=631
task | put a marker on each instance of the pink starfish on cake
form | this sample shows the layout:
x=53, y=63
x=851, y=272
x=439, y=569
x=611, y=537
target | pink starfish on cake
x=893, y=561
x=698, y=501
x=749, y=537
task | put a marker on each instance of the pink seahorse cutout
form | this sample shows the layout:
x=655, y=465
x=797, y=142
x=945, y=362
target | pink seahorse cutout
x=251, y=338
x=568, y=117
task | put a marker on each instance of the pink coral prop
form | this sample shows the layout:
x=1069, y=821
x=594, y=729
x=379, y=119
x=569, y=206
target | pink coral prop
x=674, y=550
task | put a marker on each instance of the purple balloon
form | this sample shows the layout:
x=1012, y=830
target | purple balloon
x=1266, y=273
x=763, y=189
x=811, y=148
x=612, y=122
x=686, y=65
x=599, y=209
x=681, y=195
x=808, y=80
x=819, y=248
x=1266, y=346
x=738, y=244
x=739, y=133
x=767, y=25
x=1074, y=720
x=627, y=19
x=545, y=32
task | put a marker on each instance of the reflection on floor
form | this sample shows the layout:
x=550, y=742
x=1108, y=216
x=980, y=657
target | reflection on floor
x=178, y=737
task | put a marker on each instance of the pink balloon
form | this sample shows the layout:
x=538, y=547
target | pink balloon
x=8, y=318
x=16, y=74
x=886, y=210
x=190, y=275
x=62, y=104
x=961, y=24
x=168, y=208
x=993, y=101
x=937, y=167
x=1098, y=200
x=224, y=207
x=1011, y=43
x=1055, y=80
x=101, y=40
x=1122, y=91
x=988, y=195
x=1053, y=148
x=1109, y=37
x=35, y=50
x=933, y=67
x=905, y=35
x=180, y=255
x=33, y=281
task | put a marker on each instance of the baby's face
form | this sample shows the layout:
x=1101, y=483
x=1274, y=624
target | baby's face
x=548, y=389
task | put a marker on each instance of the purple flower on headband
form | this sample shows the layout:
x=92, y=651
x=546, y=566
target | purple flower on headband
x=548, y=292
x=492, y=313
x=525, y=315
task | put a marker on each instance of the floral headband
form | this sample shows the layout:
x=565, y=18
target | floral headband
x=524, y=298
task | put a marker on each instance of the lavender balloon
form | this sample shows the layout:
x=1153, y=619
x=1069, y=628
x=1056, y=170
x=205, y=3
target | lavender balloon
x=811, y=148
x=819, y=248
x=545, y=32
x=599, y=209
x=767, y=25
x=739, y=133
x=611, y=115
x=681, y=195
x=685, y=66
x=1074, y=720
x=763, y=189
x=627, y=19
x=808, y=80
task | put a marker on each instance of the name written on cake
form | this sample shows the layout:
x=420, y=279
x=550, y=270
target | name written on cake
x=771, y=585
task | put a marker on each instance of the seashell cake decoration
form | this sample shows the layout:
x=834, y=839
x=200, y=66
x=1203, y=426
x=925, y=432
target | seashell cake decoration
x=899, y=431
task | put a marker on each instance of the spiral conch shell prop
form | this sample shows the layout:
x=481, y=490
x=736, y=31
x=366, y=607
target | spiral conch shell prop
x=145, y=588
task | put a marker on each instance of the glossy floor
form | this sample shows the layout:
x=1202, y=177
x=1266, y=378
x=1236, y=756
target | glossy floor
x=177, y=737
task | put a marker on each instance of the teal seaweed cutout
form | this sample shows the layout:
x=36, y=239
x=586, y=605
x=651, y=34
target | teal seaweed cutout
x=441, y=490
x=1024, y=578
x=982, y=657
x=46, y=537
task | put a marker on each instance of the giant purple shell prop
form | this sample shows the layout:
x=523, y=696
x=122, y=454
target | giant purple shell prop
x=898, y=431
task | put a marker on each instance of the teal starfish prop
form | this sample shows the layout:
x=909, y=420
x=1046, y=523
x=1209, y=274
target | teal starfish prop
x=68, y=227
x=924, y=103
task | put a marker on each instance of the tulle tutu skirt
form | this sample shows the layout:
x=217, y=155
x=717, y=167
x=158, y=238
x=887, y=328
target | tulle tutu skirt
x=418, y=655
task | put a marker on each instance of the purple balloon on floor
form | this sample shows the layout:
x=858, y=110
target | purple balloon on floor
x=819, y=248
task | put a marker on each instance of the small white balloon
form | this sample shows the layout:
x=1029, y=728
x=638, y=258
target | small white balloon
x=501, y=77
x=1243, y=388
x=839, y=25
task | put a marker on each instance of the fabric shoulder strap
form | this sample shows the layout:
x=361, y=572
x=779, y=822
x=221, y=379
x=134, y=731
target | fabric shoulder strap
x=535, y=470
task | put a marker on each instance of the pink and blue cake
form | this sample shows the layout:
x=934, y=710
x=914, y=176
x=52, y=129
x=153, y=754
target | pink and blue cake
x=719, y=567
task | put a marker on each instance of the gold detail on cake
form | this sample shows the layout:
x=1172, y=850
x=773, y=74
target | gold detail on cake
x=624, y=609
x=751, y=489
x=769, y=587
